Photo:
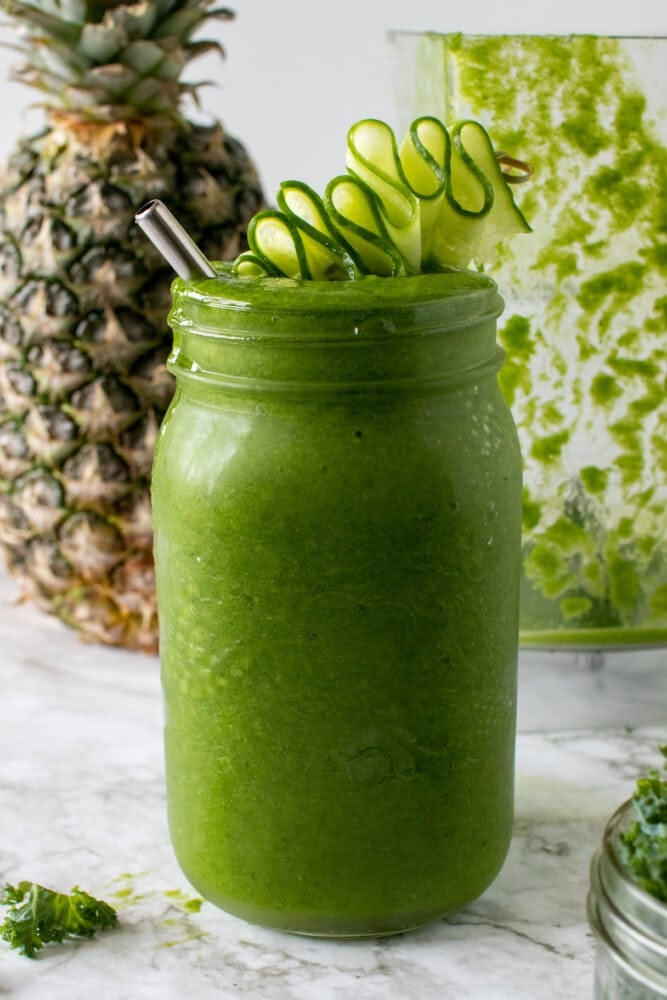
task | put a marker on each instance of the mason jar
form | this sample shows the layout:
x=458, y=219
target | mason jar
x=629, y=924
x=337, y=505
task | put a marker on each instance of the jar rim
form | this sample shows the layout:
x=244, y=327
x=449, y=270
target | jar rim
x=648, y=902
x=460, y=279
x=449, y=290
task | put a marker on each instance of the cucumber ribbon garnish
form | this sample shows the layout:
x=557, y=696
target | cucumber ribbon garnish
x=440, y=199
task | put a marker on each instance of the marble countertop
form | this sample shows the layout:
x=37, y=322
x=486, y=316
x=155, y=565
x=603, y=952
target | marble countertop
x=82, y=801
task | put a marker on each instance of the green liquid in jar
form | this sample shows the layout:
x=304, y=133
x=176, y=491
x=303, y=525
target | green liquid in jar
x=337, y=498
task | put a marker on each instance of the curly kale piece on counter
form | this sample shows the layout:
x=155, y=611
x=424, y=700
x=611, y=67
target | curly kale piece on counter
x=644, y=845
x=37, y=916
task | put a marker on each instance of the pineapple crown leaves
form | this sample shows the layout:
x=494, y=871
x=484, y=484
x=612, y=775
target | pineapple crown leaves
x=106, y=61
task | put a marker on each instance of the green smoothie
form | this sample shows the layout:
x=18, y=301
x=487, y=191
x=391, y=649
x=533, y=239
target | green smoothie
x=337, y=505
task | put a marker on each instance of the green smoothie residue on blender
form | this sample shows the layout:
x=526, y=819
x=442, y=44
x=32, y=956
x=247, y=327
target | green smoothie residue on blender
x=586, y=376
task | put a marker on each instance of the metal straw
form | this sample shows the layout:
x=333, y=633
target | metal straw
x=177, y=248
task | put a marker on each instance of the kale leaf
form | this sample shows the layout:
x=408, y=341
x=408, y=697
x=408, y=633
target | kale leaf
x=644, y=845
x=38, y=916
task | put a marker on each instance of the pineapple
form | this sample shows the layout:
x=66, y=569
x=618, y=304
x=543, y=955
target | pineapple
x=84, y=296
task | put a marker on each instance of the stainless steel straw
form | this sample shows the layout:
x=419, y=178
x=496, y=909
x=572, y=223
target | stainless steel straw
x=177, y=248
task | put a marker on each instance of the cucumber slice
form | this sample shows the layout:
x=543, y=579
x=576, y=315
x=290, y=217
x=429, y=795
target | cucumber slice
x=426, y=158
x=478, y=209
x=356, y=213
x=372, y=156
x=329, y=257
x=275, y=241
x=247, y=265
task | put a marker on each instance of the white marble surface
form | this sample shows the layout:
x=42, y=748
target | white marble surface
x=82, y=800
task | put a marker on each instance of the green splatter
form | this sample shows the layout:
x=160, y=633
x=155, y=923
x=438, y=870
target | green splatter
x=574, y=607
x=615, y=288
x=634, y=367
x=532, y=511
x=518, y=342
x=659, y=600
x=605, y=388
x=181, y=924
x=548, y=449
x=192, y=904
x=586, y=331
x=568, y=536
x=624, y=582
x=128, y=894
x=184, y=939
x=177, y=927
x=594, y=479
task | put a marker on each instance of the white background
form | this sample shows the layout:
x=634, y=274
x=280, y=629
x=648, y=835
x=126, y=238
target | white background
x=298, y=73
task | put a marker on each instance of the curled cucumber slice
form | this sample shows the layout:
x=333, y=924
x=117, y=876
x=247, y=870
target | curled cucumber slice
x=249, y=265
x=426, y=158
x=479, y=209
x=357, y=214
x=328, y=256
x=372, y=157
x=275, y=240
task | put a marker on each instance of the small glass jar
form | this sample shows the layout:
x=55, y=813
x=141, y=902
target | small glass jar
x=337, y=505
x=629, y=924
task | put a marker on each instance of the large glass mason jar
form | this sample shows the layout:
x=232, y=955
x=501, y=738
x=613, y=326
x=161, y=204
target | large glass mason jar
x=337, y=528
x=585, y=325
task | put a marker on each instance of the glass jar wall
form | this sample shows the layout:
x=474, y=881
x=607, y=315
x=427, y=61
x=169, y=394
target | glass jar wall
x=337, y=493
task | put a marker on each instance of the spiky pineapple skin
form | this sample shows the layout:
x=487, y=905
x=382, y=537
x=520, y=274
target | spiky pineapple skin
x=83, y=345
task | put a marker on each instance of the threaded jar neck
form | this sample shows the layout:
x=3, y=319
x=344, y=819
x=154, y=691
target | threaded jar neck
x=424, y=332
